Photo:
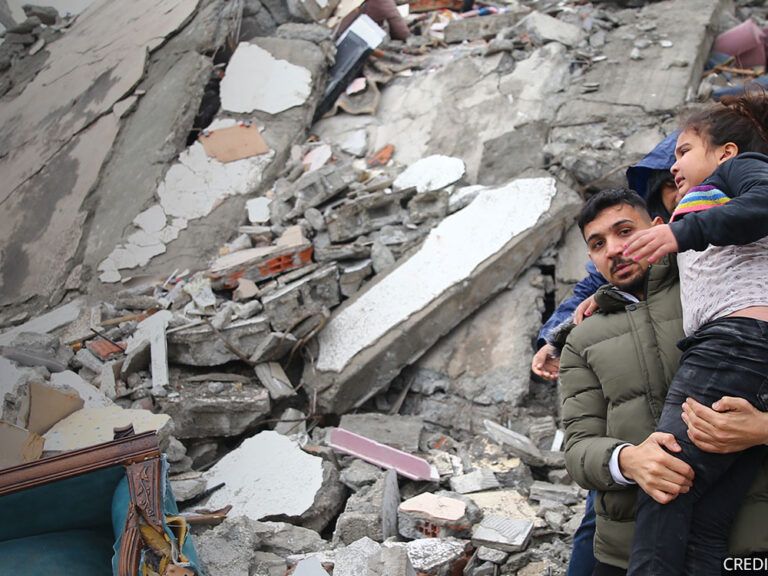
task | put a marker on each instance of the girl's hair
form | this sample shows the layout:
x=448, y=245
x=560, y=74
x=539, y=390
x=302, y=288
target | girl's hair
x=741, y=119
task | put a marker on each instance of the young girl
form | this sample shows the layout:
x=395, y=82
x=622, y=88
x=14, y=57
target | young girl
x=719, y=230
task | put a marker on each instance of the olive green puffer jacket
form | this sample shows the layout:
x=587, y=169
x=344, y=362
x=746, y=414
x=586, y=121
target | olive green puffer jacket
x=615, y=370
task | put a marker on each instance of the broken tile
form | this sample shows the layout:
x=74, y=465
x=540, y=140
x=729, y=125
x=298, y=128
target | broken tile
x=503, y=533
x=269, y=474
x=256, y=80
x=475, y=481
x=431, y=516
x=19, y=445
x=89, y=426
x=371, y=451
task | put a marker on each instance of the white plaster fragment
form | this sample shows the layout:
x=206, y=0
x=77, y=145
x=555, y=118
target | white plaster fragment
x=431, y=173
x=92, y=396
x=151, y=220
x=256, y=80
x=449, y=255
x=258, y=210
x=268, y=474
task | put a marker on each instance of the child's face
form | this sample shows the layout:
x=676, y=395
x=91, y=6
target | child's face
x=695, y=161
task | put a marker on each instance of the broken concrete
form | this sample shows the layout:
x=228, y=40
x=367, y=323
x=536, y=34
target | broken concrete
x=361, y=352
x=401, y=432
x=502, y=533
x=267, y=475
x=200, y=346
x=370, y=512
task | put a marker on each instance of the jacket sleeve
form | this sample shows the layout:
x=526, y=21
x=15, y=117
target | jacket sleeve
x=744, y=219
x=581, y=291
x=588, y=448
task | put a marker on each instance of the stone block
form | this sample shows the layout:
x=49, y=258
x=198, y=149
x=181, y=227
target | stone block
x=428, y=205
x=485, y=28
x=273, y=378
x=517, y=443
x=318, y=186
x=368, y=558
x=273, y=347
x=367, y=343
x=371, y=512
x=503, y=533
x=565, y=494
x=439, y=556
x=487, y=554
x=366, y=214
x=352, y=275
x=401, y=432
x=475, y=481
x=200, y=346
x=215, y=409
x=313, y=294
x=359, y=474
x=549, y=29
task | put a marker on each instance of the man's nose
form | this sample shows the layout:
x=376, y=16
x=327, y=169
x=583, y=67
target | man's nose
x=615, y=246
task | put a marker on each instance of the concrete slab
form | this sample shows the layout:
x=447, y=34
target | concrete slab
x=503, y=533
x=267, y=475
x=430, y=173
x=402, y=432
x=665, y=78
x=475, y=481
x=501, y=232
x=256, y=80
x=47, y=322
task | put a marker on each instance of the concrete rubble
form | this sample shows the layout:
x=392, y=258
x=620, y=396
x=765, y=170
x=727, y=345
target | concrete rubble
x=330, y=324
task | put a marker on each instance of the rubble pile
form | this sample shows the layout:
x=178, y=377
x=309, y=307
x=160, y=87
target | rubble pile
x=328, y=324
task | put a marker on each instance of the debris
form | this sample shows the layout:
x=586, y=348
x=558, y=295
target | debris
x=550, y=29
x=503, y=533
x=273, y=378
x=267, y=475
x=746, y=42
x=401, y=432
x=381, y=157
x=519, y=444
x=90, y=426
x=47, y=406
x=430, y=516
x=256, y=80
x=475, y=481
x=370, y=512
x=365, y=345
x=565, y=494
x=19, y=445
x=430, y=173
x=371, y=451
x=233, y=143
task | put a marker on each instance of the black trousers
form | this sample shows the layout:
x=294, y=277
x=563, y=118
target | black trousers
x=689, y=536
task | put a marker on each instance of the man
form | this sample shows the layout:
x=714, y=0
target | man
x=615, y=370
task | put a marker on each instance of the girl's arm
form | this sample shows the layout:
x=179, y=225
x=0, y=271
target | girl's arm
x=742, y=220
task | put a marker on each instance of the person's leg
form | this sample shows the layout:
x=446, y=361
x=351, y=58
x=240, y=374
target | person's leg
x=608, y=570
x=583, y=561
x=724, y=358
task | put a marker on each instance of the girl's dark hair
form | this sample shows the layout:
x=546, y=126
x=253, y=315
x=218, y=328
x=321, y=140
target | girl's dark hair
x=741, y=119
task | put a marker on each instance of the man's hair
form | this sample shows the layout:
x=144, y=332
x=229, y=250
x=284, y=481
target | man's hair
x=608, y=198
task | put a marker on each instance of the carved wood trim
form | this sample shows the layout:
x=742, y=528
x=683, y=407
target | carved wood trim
x=123, y=451
x=130, y=546
x=145, y=483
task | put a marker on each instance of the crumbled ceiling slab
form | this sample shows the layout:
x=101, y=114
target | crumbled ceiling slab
x=256, y=80
x=470, y=256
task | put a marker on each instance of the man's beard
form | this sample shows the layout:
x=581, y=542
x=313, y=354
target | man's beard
x=633, y=285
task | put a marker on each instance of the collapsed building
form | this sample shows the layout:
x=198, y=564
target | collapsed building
x=328, y=323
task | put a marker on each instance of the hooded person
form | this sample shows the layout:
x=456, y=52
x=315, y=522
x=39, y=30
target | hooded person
x=652, y=179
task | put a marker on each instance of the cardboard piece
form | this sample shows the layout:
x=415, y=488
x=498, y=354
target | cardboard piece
x=47, y=406
x=233, y=143
x=18, y=445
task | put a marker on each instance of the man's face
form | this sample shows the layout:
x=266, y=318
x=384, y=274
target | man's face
x=606, y=236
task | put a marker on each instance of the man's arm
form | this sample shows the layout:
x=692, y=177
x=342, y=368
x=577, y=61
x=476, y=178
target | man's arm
x=588, y=448
x=731, y=425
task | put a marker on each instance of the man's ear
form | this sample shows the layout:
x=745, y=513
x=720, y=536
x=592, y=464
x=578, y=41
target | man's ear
x=657, y=221
x=728, y=151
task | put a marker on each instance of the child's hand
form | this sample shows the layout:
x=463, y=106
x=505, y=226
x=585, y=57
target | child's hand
x=653, y=243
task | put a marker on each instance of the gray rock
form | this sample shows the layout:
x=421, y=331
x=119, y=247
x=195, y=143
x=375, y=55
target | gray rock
x=370, y=512
x=48, y=15
x=401, y=432
x=503, y=533
x=311, y=295
x=359, y=474
x=557, y=492
x=198, y=411
x=475, y=481
x=200, y=346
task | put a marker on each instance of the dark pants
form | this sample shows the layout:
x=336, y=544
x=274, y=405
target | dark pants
x=582, y=556
x=608, y=570
x=726, y=357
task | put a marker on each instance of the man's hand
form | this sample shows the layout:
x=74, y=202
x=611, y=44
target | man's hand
x=585, y=309
x=658, y=473
x=653, y=243
x=545, y=364
x=731, y=425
